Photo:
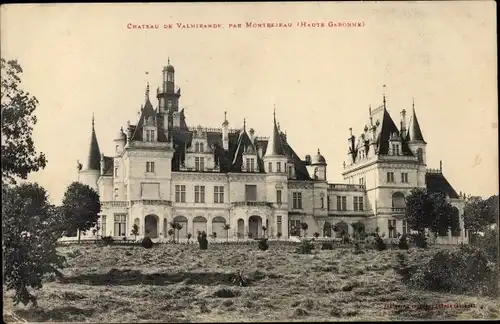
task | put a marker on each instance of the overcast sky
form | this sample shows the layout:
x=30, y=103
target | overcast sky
x=82, y=59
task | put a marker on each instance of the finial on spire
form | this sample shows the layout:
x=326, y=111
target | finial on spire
x=244, y=123
x=147, y=91
x=168, y=60
x=225, y=116
x=318, y=152
x=370, y=109
x=92, y=120
x=413, y=103
x=384, y=95
x=274, y=111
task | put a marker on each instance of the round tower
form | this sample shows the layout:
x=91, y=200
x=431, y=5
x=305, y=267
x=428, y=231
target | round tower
x=120, y=141
x=319, y=164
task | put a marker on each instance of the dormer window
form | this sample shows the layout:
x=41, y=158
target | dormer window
x=150, y=135
x=199, y=163
x=395, y=149
x=198, y=147
x=250, y=165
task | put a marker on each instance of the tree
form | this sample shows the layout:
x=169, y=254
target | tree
x=479, y=213
x=359, y=229
x=81, y=208
x=135, y=231
x=19, y=157
x=264, y=229
x=171, y=232
x=226, y=228
x=279, y=235
x=31, y=227
x=428, y=211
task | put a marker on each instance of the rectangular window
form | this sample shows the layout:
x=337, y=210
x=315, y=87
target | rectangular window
x=404, y=177
x=169, y=103
x=278, y=197
x=180, y=193
x=297, y=200
x=116, y=171
x=360, y=203
x=150, y=135
x=199, y=163
x=270, y=166
x=355, y=203
x=406, y=230
x=116, y=193
x=278, y=223
x=390, y=176
x=344, y=203
x=339, y=203
x=278, y=167
x=219, y=194
x=120, y=222
x=199, y=194
x=250, y=165
x=150, y=167
x=103, y=226
x=251, y=192
x=327, y=202
x=392, y=228
x=290, y=173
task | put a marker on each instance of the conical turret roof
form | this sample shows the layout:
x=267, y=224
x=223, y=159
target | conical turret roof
x=94, y=158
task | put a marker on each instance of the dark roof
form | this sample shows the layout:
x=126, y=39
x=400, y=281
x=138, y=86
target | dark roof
x=436, y=182
x=108, y=165
x=94, y=158
x=275, y=144
x=414, y=132
x=147, y=112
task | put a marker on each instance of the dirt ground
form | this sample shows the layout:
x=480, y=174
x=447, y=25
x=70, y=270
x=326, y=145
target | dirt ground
x=180, y=283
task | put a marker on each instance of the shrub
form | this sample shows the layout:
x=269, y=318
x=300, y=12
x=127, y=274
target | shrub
x=263, y=245
x=462, y=270
x=403, y=243
x=305, y=247
x=357, y=249
x=107, y=240
x=489, y=242
x=327, y=246
x=147, y=243
x=202, y=240
x=379, y=243
x=419, y=240
x=279, y=235
x=316, y=234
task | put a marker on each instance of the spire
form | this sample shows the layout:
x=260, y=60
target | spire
x=244, y=124
x=94, y=158
x=275, y=144
x=147, y=92
x=414, y=131
x=384, y=96
x=168, y=59
x=225, y=122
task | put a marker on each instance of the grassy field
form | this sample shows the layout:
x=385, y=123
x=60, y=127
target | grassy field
x=180, y=283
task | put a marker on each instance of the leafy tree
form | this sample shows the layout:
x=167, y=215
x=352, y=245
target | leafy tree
x=18, y=151
x=171, y=233
x=479, y=213
x=31, y=227
x=135, y=231
x=316, y=234
x=81, y=208
x=359, y=229
x=226, y=228
x=428, y=211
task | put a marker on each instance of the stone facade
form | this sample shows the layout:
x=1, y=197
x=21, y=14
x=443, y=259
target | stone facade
x=163, y=171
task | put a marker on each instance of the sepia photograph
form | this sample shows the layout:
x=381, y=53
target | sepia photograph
x=249, y=162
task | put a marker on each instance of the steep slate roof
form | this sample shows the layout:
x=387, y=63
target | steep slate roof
x=108, y=165
x=275, y=144
x=94, y=158
x=414, y=132
x=148, y=111
x=436, y=182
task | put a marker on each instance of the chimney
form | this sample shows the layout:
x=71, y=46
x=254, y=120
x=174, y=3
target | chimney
x=177, y=119
x=308, y=159
x=403, y=121
x=225, y=133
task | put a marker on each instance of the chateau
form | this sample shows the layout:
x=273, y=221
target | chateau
x=164, y=171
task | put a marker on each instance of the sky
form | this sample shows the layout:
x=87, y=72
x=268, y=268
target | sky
x=81, y=59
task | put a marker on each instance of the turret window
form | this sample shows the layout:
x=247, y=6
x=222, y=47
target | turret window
x=395, y=149
x=420, y=155
x=170, y=77
x=169, y=103
x=290, y=172
x=270, y=166
x=404, y=177
x=278, y=167
x=278, y=196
